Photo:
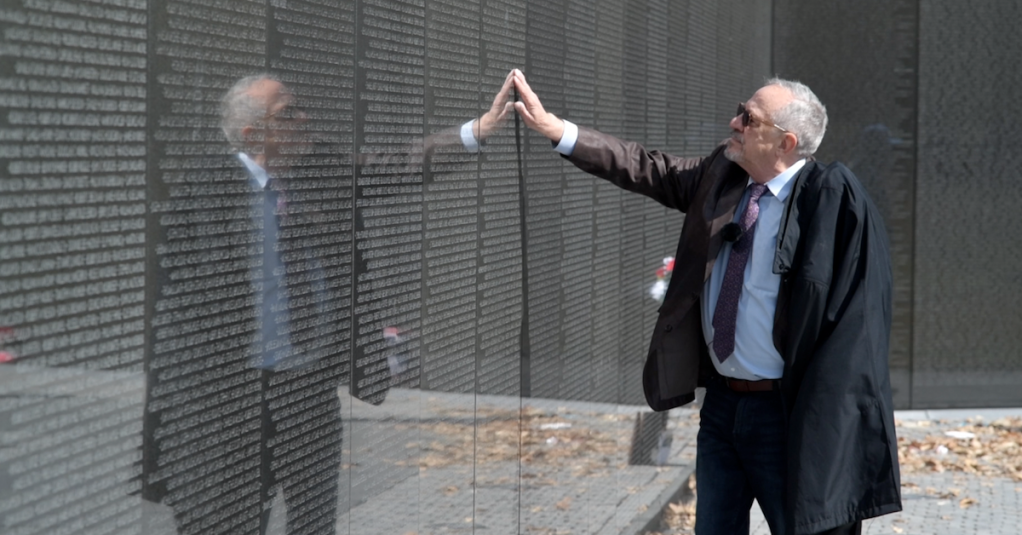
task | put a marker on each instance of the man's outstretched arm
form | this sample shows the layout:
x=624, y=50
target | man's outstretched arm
x=667, y=179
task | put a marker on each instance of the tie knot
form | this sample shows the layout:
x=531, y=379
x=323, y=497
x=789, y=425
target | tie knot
x=757, y=191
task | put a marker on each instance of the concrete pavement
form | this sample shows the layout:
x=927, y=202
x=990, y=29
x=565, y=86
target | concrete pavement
x=942, y=503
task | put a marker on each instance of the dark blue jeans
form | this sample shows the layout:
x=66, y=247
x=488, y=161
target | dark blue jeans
x=740, y=456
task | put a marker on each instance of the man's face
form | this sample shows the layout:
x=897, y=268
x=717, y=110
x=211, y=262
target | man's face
x=284, y=133
x=755, y=147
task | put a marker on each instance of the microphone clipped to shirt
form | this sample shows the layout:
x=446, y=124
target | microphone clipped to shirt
x=731, y=232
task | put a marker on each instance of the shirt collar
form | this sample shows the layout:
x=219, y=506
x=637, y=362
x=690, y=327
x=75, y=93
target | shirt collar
x=258, y=173
x=780, y=185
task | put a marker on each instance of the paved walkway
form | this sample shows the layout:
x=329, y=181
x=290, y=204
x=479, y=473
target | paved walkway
x=931, y=503
x=439, y=463
x=949, y=502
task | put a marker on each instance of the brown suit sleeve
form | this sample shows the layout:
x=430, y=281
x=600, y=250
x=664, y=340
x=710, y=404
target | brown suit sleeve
x=669, y=180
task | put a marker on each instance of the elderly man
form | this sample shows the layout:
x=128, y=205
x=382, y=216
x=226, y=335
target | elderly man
x=246, y=358
x=780, y=305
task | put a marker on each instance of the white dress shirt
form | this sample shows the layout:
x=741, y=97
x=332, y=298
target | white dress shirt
x=755, y=356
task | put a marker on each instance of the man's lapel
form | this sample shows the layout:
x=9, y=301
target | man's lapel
x=720, y=210
x=789, y=231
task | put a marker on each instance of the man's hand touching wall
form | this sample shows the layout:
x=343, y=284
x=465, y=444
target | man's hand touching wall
x=532, y=112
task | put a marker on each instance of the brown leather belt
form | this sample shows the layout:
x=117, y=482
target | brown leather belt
x=763, y=385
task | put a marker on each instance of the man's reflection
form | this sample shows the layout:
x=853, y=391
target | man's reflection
x=242, y=399
x=265, y=126
x=299, y=457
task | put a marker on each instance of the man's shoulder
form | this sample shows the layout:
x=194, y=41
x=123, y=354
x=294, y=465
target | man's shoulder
x=837, y=177
x=830, y=175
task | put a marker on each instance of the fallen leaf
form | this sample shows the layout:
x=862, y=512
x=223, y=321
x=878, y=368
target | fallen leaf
x=950, y=493
x=976, y=448
x=564, y=504
x=897, y=529
x=681, y=515
x=966, y=503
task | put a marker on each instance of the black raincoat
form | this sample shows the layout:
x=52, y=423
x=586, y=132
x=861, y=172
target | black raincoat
x=835, y=267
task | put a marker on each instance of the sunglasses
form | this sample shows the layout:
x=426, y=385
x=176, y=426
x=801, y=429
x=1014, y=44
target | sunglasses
x=748, y=118
x=289, y=113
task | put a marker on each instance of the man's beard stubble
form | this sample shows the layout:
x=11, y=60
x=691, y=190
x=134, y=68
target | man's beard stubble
x=734, y=154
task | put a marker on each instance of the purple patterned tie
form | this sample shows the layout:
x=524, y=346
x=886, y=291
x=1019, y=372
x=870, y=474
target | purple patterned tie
x=726, y=313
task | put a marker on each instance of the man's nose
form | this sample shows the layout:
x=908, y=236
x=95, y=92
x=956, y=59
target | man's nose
x=736, y=123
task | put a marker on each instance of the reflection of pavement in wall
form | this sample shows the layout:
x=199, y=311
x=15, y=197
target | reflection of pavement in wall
x=69, y=449
x=422, y=462
x=573, y=476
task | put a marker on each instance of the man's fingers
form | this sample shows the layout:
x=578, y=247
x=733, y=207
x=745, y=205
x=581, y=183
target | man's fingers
x=529, y=107
x=493, y=119
x=524, y=112
x=499, y=109
x=505, y=90
x=520, y=79
x=504, y=112
x=525, y=92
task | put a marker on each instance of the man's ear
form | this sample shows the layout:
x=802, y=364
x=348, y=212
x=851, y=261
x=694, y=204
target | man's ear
x=790, y=143
x=252, y=138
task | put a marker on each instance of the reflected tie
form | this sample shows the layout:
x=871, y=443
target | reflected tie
x=726, y=313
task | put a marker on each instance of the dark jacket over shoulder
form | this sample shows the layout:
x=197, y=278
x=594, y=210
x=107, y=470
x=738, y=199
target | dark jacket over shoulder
x=832, y=323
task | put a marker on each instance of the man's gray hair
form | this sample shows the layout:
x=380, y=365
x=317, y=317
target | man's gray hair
x=239, y=109
x=805, y=116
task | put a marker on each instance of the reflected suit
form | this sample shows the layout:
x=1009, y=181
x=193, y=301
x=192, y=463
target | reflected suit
x=250, y=332
x=245, y=361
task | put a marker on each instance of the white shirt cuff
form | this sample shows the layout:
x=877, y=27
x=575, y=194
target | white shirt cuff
x=568, y=139
x=468, y=138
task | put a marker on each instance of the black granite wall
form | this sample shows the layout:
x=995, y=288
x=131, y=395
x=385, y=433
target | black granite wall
x=181, y=353
x=184, y=353
x=913, y=90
